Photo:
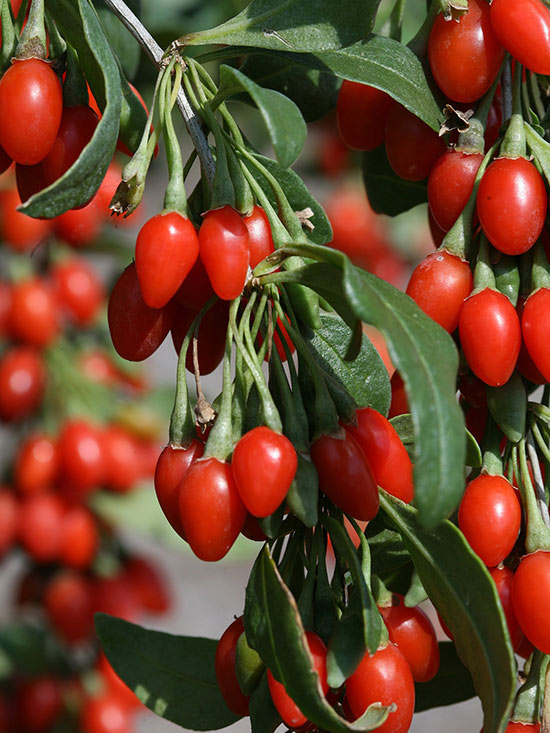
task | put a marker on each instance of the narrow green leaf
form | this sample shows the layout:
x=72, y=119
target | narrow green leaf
x=461, y=589
x=508, y=406
x=346, y=649
x=264, y=717
x=365, y=378
x=453, y=683
x=80, y=25
x=282, y=118
x=298, y=25
x=274, y=628
x=173, y=676
x=388, y=553
x=387, y=193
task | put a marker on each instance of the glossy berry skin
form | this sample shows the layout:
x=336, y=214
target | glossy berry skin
x=79, y=290
x=412, y=631
x=490, y=335
x=465, y=55
x=439, y=286
x=34, y=315
x=530, y=591
x=361, y=112
x=171, y=467
x=286, y=707
x=260, y=241
x=196, y=288
x=450, y=183
x=345, y=475
x=31, y=104
x=535, y=328
x=411, y=146
x=136, y=329
x=385, y=453
x=210, y=337
x=167, y=247
x=224, y=251
x=511, y=204
x=211, y=511
x=385, y=677
x=523, y=28
x=489, y=516
x=234, y=698
x=22, y=378
x=81, y=456
x=77, y=126
x=36, y=465
x=503, y=579
x=264, y=465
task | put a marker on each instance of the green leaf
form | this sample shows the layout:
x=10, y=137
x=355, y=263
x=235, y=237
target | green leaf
x=282, y=118
x=461, y=589
x=173, y=676
x=365, y=378
x=388, y=553
x=124, y=45
x=298, y=25
x=453, y=683
x=508, y=406
x=387, y=193
x=315, y=93
x=274, y=628
x=346, y=649
x=264, y=717
x=29, y=651
x=80, y=25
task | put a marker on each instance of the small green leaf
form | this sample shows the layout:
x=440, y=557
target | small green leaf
x=274, y=628
x=80, y=25
x=249, y=668
x=366, y=378
x=453, y=683
x=387, y=193
x=282, y=118
x=508, y=406
x=461, y=589
x=299, y=25
x=303, y=496
x=346, y=649
x=388, y=553
x=473, y=451
x=404, y=427
x=173, y=676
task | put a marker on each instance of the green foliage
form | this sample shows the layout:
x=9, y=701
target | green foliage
x=387, y=193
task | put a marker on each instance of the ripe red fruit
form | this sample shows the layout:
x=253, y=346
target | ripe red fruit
x=412, y=631
x=136, y=329
x=167, y=247
x=79, y=538
x=439, y=285
x=399, y=403
x=20, y=232
x=79, y=290
x=530, y=591
x=523, y=28
x=450, y=184
x=29, y=179
x=286, y=707
x=31, y=103
x=535, y=327
x=40, y=521
x=107, y=713
x=5, y=306
x=148, y=585
x=22, y=378
x=9, y=519
x=385, y=453
x=196, y=288
x=260, y=241
x=411, y=146
x=81, y=456
x=68, y=601
x=345, y=475
x=386, y=678
x=211, y=510
x=120, y=456
x=503, y=579
x=34, y=315
x=489, y=516
x=490, y=335
x=115, y=595
x=465, y=56
x=362, y=111
x=115, y=684
x=79, y=227
x=75, y=132
x=264, y=465
x=234, y=698
x=171, y=467
x=224, y=250
x=39, y=703
x=36, y=464
x=511, y=204
x=211, y=335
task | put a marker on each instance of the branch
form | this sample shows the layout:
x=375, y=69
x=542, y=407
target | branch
x=155, y=53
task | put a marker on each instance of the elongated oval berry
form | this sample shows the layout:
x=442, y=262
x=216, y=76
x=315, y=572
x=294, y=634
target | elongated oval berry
x=465, y=55
x=489, y=516
x=264, y=465
x=260, y=240
x=523, y=28
x=224, y=251
x=503, y=578
x=535, y=327
x=490, y=335
x=511, y=204
x=530, y=593
x=212, y=513
x=226, y=677
x=361, y=111
x=450, y=183
x=171, y=467
x=345, y=475
x=386, y=454
x=439, y=285
x=411, y=146
x=167, y=247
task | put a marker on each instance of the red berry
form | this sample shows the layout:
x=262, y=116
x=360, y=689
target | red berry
x=225, y=252
x=362, y=111
x=234, y=698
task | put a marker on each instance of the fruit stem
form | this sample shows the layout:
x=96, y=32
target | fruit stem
x=483, y=273
x=220, y=441
x=492, y=460
x=540, y=273
x=473, y=140
x=529, y=697
x=175, y=198
x=9, y=39
x=32, y=43
x=538, y=533
x=514, y=144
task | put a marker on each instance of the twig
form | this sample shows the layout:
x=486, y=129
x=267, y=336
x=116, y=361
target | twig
x=155, y=53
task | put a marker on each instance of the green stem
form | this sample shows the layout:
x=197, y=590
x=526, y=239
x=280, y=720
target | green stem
x=529, y=697
x=220, y=441
x=543, y=447
x=278, y=232
x=32, y=43
x=540, y=274
x=473, y=140
x=483, y=273
x=75, y=89
x=538, y=534
x=175, y=198
x=514, y=144
x=492, y=460
x=9, y=38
